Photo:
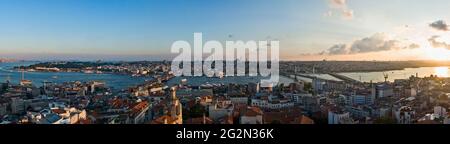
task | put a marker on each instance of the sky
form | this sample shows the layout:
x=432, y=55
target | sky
x=146, y=29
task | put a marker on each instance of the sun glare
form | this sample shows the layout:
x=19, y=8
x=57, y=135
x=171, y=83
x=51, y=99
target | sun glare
x=441, y=71
x=440, y=54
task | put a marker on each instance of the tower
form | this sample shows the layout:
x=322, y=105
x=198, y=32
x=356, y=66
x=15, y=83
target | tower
x=314, y=69
x=295, y=74
x=175, y=107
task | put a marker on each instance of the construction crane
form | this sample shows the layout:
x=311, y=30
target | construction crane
x=386, y=76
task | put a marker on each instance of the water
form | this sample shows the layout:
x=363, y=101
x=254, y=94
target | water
x=112, y=80
x=196, y=81
x=124, y=81
x=399, y=74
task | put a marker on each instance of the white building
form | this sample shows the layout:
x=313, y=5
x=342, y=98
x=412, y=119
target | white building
x=440, y=111
x=405, y=115
x=339, y=117
x=272, y=102
x=360, y=99
x=384, y=90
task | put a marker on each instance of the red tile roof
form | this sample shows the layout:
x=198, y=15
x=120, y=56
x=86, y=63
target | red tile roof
x=199, y=120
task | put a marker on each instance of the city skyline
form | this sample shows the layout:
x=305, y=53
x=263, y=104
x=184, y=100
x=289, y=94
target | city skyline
x=145, y=30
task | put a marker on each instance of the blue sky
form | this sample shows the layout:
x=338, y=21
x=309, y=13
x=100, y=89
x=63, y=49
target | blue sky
x=128, y=29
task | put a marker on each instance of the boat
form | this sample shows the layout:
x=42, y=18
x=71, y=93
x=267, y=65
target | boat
x=221, y=75
x=88, y=71
x=55, y=77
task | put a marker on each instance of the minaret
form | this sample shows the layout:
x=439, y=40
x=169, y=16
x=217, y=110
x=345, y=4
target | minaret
x=173, y=101
x=173, y=93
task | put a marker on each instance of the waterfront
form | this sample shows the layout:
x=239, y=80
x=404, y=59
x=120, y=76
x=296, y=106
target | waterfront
x=399, y=74
x=116, y=81
x=226, y=80
x=119, y=81
x=113, y=80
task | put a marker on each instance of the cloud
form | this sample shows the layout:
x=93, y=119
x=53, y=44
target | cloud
x=328, y=14
x=339, y=2
x=437, y=44
x=414, y=46
x=347, y=14
x=339, y=6
x=337, y=49
x=440, y=25
x=375, y=43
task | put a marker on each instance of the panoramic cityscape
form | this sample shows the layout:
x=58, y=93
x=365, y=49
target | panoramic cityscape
x=339, y=62
x=147, y=92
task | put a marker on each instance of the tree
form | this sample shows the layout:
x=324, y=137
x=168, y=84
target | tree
x=308, y=87
x=196, y=111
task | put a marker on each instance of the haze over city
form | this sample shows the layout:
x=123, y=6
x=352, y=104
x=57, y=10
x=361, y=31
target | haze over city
x=145, y=30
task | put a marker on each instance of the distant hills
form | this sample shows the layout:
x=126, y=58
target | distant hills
x=7, y=60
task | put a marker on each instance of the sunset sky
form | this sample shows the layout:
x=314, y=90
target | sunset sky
x=306, y=29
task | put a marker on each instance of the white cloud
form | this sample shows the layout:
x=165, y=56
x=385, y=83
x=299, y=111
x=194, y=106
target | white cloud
x=347, y=14
x=338, y=2
x=375, y=43
x=340, y=6
x=438, y=44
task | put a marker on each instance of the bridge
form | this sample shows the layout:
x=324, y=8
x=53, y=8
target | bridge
x=338, y=76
